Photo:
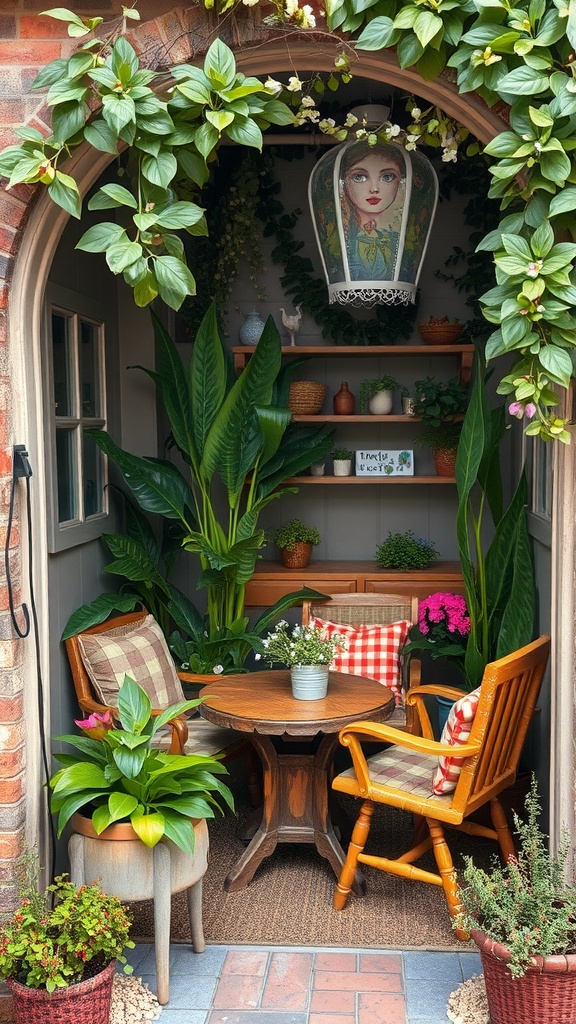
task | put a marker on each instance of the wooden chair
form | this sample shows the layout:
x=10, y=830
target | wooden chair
x=508, y=696
x=373, y=610
x=188, y=735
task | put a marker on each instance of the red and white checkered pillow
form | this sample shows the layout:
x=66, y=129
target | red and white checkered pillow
x=455, y=732
x=372, y=651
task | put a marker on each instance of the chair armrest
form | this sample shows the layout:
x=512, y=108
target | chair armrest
x=350, y=735
x=415, y=700
x=179, y=729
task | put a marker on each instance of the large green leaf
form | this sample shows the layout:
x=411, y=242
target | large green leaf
x=517, y=625
x=133, y=561
x=133, y=705
x=501, y=551
x=97, y=611
x=207, y=378
x=295, y=597
x=173, y=384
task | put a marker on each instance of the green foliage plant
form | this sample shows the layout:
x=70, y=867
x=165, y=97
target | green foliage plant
x=443, y=438
x=404, y=551
x=58, y=937
x=344, y=454
x=234, y=435
x=301, y=645
x=499, y=579
x=437, y=401
x=526, y=905
x=294, y=532
x=117, y=775
x=371, y=387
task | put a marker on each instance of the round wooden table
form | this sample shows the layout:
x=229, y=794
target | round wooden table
x=297, y=806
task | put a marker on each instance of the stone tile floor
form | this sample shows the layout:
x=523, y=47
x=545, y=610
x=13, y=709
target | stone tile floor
x=281, y=985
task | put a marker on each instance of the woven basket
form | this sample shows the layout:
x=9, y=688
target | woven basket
x=440, y=334
x=306, y=397
x=546, y=994
x=87, y=1002
x=299, y=557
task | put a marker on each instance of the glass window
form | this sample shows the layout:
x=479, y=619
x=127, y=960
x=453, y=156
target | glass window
x=542, y=478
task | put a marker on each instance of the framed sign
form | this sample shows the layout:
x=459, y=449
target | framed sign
x=379, y=462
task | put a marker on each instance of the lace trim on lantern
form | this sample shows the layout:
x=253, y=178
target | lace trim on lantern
x=372, y=296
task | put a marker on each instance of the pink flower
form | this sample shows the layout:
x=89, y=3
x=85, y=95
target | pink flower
x=96, y=725
x=530, y=410
x=449, y=610
x=516, y=409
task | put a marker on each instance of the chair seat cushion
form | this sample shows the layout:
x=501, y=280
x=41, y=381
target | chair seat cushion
x=455, y=732
x=371, y=651
x=405, y=770
x=203, y=738
x=137, y=650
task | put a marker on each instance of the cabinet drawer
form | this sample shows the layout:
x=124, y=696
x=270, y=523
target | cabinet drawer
x=420, y=588
x=260, y=593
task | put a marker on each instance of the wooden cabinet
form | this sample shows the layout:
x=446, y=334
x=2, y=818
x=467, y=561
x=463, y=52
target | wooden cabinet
x=271, y=580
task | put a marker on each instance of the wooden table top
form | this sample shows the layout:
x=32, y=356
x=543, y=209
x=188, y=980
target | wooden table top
x=262, y=702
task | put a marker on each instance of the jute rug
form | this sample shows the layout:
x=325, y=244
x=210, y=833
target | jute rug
x=289, y=900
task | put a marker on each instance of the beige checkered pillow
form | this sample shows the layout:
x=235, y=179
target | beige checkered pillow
x=138, y=650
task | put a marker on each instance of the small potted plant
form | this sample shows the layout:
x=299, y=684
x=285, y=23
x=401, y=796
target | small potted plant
x=307, y=651
x=407, y=401
x=443, y=441
x=437, y=401
x=296, y=541
x=342, y=461
x=404, y=551
x=59, y=951
x=522, y=916
x=376, y=395
x=441, y=330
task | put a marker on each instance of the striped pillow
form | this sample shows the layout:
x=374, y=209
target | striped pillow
x=138, y=650
x=455, y=732
x=372, y=651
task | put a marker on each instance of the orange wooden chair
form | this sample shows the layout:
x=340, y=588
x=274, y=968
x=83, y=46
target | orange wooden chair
x=188, y=735
x=401, y=776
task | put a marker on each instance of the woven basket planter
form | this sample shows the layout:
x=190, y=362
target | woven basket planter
x=299, y=557
x=87, y=1002
x=440, y=334
x=306, y=397
x=546, y=994
x=444, y=462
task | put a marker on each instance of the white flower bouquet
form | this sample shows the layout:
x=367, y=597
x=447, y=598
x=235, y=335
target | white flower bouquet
x=301, y=645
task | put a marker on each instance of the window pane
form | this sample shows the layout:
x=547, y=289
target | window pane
x=66, y=471
x=89, y=370
x=542, y=485
x=61, y=364
x=93, y=477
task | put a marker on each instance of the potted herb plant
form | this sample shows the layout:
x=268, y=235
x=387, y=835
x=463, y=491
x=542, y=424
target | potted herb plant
x=342, y=458
x=522, y=916
x=404, y=551
x=376, y=395
x=439, y=404
x=59, y=951
x=307, y=651
x=296, y=541
x=441, y=330
x=443, y=441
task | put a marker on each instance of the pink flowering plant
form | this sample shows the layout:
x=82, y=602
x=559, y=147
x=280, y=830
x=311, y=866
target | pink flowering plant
x=443, y=628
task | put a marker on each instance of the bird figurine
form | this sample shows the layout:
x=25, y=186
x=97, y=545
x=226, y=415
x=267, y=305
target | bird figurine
x=292, y=323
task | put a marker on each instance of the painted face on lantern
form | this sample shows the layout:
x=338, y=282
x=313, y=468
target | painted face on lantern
x=371, y=185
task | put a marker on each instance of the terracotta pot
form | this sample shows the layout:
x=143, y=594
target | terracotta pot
x=87, y=1002
x=299, y=557
x=546, y=994
x=445, y=463
x=344, y=401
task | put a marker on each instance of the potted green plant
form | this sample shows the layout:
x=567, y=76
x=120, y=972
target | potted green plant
x=443, y=442
x=441, y=330
x=522, y=916
x=405, y=551
x=437, y=401
x=342, y=458
x=60, y=949
x=295, y=541
x=376, y=395
x=307, y=651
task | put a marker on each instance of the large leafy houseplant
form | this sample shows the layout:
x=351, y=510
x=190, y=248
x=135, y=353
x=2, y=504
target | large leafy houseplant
x=499, y=578
x=117, y=775
x=238, y=445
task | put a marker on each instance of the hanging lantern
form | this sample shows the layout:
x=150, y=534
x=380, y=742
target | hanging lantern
x=372, y=209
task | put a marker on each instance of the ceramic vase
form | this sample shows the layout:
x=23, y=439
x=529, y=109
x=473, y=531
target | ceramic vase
x=342, y=467
x=309, y=682
x=381, y=403
x=251, y=329
x=344, y=401
x=317, y=469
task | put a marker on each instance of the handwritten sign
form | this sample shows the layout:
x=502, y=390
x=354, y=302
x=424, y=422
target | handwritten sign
x=384, y=463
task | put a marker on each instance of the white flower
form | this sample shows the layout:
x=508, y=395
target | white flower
x=416, y=114
x=410, y=145
x=394, y=130
x=218, y=670
x=450, y=155
x=271, y=85
x=308, y=20
x=290, y=8
x=412, y=138
x=249, y=3
x=327, y=125
x=257, y=657
x=350, y=121
x=308, y=101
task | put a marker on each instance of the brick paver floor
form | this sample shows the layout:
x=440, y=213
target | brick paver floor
x=273, y=985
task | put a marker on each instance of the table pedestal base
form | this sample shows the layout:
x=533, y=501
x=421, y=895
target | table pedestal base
x=296, y=809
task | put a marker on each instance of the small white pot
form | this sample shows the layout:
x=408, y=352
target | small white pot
x=342, y=467
x=381, y=403
x=317, y=469
x=309, y=682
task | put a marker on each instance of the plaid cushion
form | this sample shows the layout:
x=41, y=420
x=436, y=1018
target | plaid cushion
x=138, y=650
x=401, y=769
x=372, y=651
x=455, y=732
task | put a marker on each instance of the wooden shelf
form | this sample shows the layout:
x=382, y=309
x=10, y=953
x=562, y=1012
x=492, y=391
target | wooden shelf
x=242, y=353
x=360, y=418
x=370, y=480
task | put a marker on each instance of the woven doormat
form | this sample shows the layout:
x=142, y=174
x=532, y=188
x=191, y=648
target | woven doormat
x=289, y=900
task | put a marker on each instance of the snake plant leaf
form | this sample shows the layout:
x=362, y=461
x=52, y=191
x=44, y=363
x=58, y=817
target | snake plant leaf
x=98, y=611
x=489, y=472
x=207, y=378
x=171, y=379
x=517, y=625
x=234, y=426
x=158, y=485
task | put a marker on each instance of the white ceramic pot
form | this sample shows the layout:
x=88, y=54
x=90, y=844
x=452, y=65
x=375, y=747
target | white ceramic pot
x=342, y=467
x=381, y=403
x=317, y=469
x=309, y=682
